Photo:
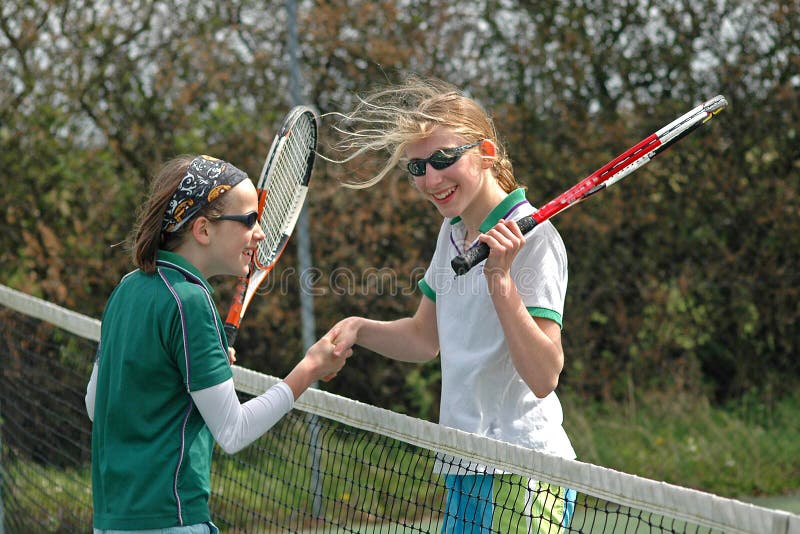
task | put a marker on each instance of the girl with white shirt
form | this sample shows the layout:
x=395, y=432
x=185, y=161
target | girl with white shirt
x=496, y=329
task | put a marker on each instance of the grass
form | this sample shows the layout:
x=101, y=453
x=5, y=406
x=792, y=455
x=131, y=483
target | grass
x=743, y=450
x=385, y=479
x=45, y=499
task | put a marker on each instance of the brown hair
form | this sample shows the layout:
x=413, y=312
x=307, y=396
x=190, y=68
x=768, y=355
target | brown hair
x=148, y=235
x=390, y=118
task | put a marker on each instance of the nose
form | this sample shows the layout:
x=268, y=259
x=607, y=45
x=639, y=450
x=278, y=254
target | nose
x=258, y=233
x=431, y=179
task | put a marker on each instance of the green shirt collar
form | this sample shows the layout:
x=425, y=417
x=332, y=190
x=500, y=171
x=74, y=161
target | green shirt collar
x=499, y=211
x=182, y=264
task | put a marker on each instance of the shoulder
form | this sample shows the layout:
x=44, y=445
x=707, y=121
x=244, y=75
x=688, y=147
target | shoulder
x=163, y=292
x=185, y=290
x=447, y=227
x=444, y=238
x=546, y=233
x=544, y=246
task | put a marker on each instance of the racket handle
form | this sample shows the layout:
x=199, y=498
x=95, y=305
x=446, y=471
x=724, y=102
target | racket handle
x=230, y=333
x=462, y=264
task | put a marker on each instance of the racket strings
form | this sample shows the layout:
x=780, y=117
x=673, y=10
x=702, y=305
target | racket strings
x=285, y=190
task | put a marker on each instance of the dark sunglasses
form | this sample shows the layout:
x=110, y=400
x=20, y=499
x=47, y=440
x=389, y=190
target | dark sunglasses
x=248, y=219
x=441, y=159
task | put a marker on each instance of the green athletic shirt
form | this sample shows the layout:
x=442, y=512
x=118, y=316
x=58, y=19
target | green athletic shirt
x=161, y=338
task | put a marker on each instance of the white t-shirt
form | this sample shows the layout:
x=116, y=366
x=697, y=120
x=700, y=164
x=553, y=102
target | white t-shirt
x=482, y=392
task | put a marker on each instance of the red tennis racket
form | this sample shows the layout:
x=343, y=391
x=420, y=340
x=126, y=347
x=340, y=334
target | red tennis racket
x=612, y=172
x=282, y=189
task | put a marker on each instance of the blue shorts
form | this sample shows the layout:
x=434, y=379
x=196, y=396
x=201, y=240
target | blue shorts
x=200, y=528
x=478, y=504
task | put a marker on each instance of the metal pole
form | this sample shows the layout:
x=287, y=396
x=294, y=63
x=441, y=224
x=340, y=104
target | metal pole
x=304, y=261
x=2, y=481
x=302, y=234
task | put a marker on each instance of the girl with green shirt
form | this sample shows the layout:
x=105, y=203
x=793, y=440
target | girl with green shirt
x=161, y=390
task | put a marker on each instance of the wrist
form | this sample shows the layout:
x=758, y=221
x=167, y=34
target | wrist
x=499, y=282
x=353, y=326
x=300, y=378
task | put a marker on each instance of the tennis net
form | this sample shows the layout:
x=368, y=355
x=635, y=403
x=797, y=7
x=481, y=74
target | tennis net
x=332, y=465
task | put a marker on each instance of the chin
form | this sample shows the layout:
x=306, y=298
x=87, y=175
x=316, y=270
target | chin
x=447, y=211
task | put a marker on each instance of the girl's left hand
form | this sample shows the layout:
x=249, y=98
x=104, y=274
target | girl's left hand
x=504, y=240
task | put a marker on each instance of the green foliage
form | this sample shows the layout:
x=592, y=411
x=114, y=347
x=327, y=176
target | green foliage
x=683, y=278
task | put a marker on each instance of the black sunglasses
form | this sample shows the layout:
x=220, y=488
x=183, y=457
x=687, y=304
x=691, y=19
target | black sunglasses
x=248, y=219
x=441, y=159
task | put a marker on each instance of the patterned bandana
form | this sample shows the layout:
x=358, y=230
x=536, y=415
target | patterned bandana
x=206, y=179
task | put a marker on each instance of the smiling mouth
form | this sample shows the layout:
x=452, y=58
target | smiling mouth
x=442, y=195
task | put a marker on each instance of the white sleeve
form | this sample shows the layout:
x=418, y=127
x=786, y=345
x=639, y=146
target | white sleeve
x=234, y=425
x=91, y=389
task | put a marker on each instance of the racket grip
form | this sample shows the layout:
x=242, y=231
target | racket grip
x=462, y=264
x=230, y=333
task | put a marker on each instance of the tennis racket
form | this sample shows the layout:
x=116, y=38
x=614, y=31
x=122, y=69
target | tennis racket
x=612, y=172
x=282, y=189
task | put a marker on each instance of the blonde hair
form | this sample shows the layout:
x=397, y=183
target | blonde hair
x=148, y=235
x=389, y=118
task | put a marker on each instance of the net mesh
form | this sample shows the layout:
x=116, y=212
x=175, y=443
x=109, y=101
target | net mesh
x=331, y=465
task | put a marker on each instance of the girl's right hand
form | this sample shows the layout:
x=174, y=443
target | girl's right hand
x=343, y=335
x=327, y=356
x=346, y=335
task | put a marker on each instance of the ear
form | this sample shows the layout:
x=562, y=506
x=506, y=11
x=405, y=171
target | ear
x=200, y=230
x=488, y=153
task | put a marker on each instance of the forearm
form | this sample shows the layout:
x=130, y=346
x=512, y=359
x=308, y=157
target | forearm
x=91, y=390
x=301, y=377
x=235, y=425
x=403, y=339
x=537, y=354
